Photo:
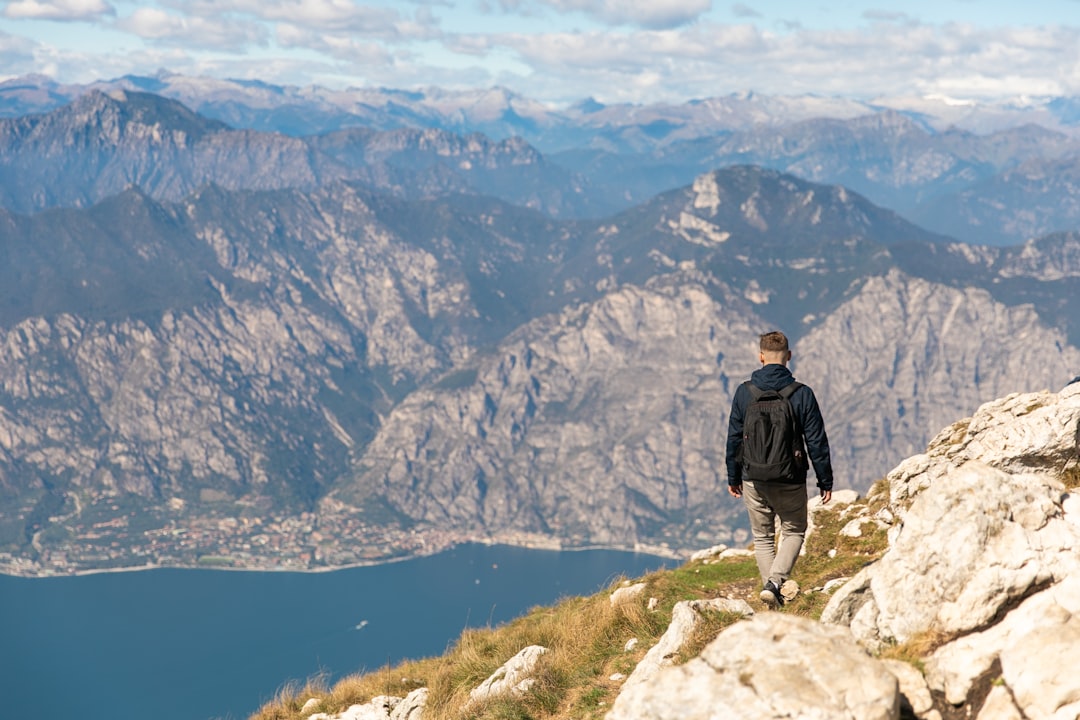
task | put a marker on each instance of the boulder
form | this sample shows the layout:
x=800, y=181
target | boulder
x=708, y=553
x=915, y=697
x=412, y=706
x=1018, y=434
x=1032, y=644
x=979, y=541
x=627, y=594
x=381, y=707
x=773, y=666
x=514, y=677
x=999, y=705
x=686, y=616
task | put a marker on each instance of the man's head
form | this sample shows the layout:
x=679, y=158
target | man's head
x=774, y=349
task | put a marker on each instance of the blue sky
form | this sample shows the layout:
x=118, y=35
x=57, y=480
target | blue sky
x=564, y=50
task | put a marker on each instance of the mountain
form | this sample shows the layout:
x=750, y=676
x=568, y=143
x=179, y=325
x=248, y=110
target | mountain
x=420, y=371
x=1034, y=198
x=101, y=144
x=972, y=187
x=500, y=113
x=1000, y=188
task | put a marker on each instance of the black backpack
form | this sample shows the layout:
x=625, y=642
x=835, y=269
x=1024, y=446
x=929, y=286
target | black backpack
x=772, y=448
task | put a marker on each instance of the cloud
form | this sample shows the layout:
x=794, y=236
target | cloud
x=744, y=11
x=712, y=59
x=161, y=27
x=337, y=46
x=653, y=14
x=16, y=55
x=886, y=16
x=62, y=10
x=337, y=16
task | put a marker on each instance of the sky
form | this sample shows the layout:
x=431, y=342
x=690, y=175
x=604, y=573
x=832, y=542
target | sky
x=562, y=51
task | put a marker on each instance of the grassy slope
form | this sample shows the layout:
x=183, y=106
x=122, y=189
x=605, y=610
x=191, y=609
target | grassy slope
x=586, y=637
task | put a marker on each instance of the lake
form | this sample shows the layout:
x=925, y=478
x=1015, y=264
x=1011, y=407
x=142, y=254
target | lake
x=199, y=644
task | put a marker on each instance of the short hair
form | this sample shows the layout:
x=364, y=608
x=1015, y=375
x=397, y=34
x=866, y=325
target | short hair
x=773, y=342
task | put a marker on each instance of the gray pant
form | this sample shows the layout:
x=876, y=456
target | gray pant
x=764, y=502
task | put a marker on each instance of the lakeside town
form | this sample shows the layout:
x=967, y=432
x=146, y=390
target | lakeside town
x=334, y=538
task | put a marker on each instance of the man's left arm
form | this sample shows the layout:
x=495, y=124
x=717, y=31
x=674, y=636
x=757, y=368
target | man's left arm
x=817, y=442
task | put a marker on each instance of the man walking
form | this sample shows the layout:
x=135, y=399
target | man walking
x=774, y=422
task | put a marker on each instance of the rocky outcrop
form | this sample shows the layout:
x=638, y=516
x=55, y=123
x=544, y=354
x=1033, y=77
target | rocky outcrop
x=686, y=617
x=773, y=666
x=974, y=543
x=515, y=677
x=1021, y=433
x=381, y=707
x=983, y=560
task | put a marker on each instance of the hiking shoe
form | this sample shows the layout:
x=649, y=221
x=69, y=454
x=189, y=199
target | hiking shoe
x=770, y=595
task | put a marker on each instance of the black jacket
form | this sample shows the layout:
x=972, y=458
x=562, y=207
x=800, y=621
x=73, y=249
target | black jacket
x=803, y=402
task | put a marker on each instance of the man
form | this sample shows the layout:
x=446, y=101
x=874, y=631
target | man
x=786, y=498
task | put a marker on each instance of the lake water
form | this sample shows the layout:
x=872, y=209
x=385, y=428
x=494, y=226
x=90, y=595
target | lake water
x=199, y=644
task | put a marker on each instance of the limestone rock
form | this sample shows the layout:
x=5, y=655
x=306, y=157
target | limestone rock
x=380, y=707
x=774, y=666
x=981, y=540
x=514, y=677
x=708, y=553
x=412, y=706
x=1041, y=671
x=627, y=594
x=1033, y=643
x=999, y=705
x=914, y=691
x=685, y=618
x=1020, y=433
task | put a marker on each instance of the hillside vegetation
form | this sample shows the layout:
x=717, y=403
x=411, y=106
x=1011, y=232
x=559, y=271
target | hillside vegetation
x=587, y=637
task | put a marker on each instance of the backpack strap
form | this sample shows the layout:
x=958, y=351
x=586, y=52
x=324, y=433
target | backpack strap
x=755, y=391
x=786, y=393
x=789, y=390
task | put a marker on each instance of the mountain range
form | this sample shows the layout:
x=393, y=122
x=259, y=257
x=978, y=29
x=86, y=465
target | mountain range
x=434, y=333
x=1006, y=185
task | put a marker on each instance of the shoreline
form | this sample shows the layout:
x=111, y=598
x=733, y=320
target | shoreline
x=638, y=549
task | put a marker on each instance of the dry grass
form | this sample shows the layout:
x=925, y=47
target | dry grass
x=917, y=648
x=586, y=639
x=1071, y=475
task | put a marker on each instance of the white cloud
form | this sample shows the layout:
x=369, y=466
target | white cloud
x=16, y=55
x=159, y=26
x=708, y=60
x=655, y=14
x=337, y=16
x=63, y=10
x=337, y=46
